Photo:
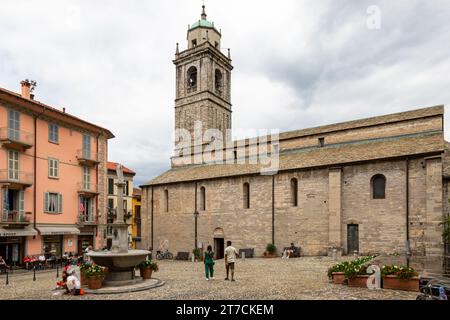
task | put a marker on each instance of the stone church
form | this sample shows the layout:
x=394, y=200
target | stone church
x=376, y=185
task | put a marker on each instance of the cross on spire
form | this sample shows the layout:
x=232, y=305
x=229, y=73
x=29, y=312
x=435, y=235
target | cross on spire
x=203, y=11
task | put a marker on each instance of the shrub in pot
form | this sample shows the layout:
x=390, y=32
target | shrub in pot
x=83, y=269
x=95, y=276
x=147, y=267
x=271, y=250
x=400, y=278
x=357, y=276
x=337, y=272
x=197, y=254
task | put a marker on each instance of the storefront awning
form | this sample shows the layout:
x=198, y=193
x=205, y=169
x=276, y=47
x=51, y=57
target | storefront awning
x=57, y=230
x=27, y=231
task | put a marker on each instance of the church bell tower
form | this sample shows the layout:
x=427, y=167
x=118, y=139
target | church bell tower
x=203, y=80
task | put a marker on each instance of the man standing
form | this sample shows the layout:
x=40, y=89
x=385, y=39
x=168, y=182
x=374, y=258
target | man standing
x=230, y=259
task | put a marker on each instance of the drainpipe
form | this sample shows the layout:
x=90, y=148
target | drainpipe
x=151, y=212
x=96, y=198
x=273, y=209
x=196, y=216
x=408, y=247
x=34, y=169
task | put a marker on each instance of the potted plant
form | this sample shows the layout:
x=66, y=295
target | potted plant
x=337, y=272
x=271, y=250
x=147, y=267
x=357, y=276
x=400, y=278
x=83, y=269
x=197, y=254
x=95, y=276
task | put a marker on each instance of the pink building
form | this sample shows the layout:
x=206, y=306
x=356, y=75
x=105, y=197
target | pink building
x=53, y=179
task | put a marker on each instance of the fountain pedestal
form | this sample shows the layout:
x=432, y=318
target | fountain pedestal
x=120, y=261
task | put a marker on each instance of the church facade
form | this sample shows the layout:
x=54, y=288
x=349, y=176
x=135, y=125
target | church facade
x=376, y=185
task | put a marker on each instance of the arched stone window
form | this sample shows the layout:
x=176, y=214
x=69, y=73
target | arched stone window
x=192, y=78
x=202, y=198
x=378, y=186
x=218, y=80
x=294, y=192
x=166, y=200
x=246, y=195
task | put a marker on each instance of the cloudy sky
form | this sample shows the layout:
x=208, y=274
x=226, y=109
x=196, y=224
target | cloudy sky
x=297, y=63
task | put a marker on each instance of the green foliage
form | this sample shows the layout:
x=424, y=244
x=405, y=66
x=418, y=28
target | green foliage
x=149, y=264
x=84, y=266
x=351, y=268
x=197, y=253
x=95, y=271
x=271, y=248
x=402, y=272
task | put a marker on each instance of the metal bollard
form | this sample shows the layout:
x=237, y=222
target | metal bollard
x=57, y=271
x=7, y=277
x=34, y=274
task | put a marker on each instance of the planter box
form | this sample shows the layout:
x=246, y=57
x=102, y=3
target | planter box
x=83, y=279
x=395, y=283
x=270, y=255
x=338, y=277
x=358, y=282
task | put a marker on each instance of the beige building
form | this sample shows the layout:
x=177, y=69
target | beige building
x=128, y=176
x=376, y=185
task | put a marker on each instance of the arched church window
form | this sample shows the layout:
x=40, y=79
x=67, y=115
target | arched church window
x=218, y=80
x=202, y=198
x=192, y=79
x=246, y=195
x=378, y=186
x=294, y=192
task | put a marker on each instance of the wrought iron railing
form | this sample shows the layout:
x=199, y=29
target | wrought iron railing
x=15, y=216
x=16, y=135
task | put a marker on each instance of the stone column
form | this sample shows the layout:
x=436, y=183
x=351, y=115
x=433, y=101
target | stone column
x=335, y=210
x=434, y=247
x=120, y=228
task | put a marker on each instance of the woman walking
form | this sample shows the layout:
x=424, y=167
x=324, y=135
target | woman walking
x=209, y=263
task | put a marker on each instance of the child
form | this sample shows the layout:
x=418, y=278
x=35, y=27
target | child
x=209, y=263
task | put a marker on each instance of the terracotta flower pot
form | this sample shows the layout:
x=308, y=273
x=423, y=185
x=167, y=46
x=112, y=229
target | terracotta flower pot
x=146, y=273
x=95, y=283
x=83, y=278
x=358, y=282
x=395, y=283
x=338, y=277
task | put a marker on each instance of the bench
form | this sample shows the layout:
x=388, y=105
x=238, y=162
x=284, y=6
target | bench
x=295, y=254
x=182, y=256
x=249, y=252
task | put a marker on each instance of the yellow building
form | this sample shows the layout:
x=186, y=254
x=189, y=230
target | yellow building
x=128, y=176
x=136, y=222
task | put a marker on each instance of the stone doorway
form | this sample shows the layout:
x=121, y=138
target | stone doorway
x=219, y=243
x=352, y=238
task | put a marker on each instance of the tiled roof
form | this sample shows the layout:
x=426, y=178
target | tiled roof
x=340, y=154
x=112, y=166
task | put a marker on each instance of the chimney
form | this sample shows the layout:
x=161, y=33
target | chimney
x=64, y=110
x=26, y=86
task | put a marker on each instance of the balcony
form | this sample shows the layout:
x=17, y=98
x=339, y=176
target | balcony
x=13, y=218
x=16, y=180
x=16, y=139
x=87, y=219
x=87, y=158
x=87, y=190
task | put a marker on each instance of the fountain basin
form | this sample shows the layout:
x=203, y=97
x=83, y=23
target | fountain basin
x=120, y=266
x=119, y=261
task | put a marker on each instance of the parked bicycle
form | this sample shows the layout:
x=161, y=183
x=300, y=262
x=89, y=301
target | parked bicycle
x=160, y=255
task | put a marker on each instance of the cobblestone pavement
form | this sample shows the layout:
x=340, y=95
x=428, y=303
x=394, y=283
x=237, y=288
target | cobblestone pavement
x=303, y=278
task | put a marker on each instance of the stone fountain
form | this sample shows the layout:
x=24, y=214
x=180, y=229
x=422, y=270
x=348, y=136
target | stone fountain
x=120, y=261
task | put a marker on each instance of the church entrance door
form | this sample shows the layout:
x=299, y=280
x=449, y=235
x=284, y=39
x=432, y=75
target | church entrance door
x=352, y=238
x=219, y=248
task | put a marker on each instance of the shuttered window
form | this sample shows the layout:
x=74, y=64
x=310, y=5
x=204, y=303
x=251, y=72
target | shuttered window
x=53, y=168
x=246, y=195
x=53, y=133
x=53, y=202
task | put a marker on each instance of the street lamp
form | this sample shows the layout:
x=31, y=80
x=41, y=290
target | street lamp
x=196, y=213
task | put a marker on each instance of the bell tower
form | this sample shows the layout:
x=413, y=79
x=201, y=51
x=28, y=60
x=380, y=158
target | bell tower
x=203, y=80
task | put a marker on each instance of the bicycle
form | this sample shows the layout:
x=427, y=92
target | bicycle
x=164, y=255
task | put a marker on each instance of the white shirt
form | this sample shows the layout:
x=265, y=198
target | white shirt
x=231, y=253
x=73, y=282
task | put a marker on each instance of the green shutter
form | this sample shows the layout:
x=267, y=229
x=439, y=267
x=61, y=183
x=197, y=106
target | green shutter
x=46, y=196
